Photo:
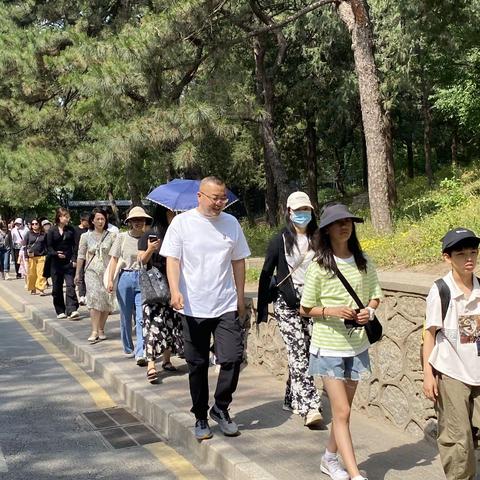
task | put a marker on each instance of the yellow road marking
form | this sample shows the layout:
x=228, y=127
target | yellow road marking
x=166, y=455
x=174, y=462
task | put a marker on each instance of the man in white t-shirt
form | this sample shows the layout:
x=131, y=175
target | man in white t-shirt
x=206, y=250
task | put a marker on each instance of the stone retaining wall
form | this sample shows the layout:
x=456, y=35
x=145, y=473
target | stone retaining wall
x=394, y=390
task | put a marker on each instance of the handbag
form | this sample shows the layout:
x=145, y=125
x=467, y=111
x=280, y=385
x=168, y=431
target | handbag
x=153, y=286
x=373, y=328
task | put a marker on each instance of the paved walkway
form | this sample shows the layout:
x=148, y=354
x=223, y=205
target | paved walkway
x=273, y=445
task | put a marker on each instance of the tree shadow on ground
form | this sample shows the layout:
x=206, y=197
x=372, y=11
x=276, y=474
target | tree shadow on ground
x=401, y=458
x=266, y=415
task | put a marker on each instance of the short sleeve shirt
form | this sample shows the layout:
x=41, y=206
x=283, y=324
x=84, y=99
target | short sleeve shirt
x=330, y=336
x=206, y=247
x=457, y=344
x=126, y=247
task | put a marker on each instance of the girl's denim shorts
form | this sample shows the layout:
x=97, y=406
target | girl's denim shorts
x=342, y=368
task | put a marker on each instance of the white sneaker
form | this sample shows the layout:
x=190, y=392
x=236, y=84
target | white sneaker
x=74, y=314
x=313, y=417
x=288, y=408
x=61, y=315
x=333, y=469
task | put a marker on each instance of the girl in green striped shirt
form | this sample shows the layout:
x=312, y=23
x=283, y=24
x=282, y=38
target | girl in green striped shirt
x=339, y=347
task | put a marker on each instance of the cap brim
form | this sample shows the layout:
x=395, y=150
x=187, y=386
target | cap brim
x=456, y=242
x=334, y=218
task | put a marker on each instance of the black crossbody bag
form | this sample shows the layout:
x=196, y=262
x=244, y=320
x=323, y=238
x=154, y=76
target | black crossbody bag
x=373, y=328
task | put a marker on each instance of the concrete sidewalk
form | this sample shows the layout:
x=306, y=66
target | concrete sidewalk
x=273, y=445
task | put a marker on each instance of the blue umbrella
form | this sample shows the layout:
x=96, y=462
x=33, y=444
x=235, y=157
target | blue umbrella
x=180, y=195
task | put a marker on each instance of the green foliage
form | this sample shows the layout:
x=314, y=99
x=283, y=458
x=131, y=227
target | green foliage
x=258, y=237
x=424, y=219
x=252, y=275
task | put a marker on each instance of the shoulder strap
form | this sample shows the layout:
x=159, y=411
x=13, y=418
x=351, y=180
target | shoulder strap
x=445, y=295
x=294, y=268
x=349, y=289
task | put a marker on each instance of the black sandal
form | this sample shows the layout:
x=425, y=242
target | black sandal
x=152, y=375
x=168, y=366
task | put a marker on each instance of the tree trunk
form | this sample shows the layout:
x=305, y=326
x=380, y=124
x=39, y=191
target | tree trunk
x=454, y=149
x=392, y=188
x=311, y=162
x=113, y=205
x=271, y=198
x=131, y=170
x=354, y=14
x=363, y=144
x=265, y=92
x=427, y=135
x=410, y=160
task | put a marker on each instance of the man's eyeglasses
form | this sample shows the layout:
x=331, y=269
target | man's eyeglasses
x=219, y=200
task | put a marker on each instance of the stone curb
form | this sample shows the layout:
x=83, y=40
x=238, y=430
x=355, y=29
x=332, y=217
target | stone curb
x=172, y=424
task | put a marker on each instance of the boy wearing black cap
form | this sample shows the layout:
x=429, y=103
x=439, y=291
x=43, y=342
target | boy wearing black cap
x=451, y=354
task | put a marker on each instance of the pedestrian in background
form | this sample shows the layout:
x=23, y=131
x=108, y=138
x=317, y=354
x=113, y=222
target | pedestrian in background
x=92, y=260
x=162, y=327
x=46, y=225
x=4, y=250
x=339, y=347
x=289, y=254
x=125, y=251
x=18, y=233
x=60, y=246
x=36, y=250
x=80, y=229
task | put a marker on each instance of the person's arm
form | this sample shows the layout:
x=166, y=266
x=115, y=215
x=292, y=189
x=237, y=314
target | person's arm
x=111, y=273
x=430, y=386
x=173, y=275
x=81, y=256
x=238, y=267
x=311, y=304
x=269, y=265
x=144, y=256
x=77, y=235
x=50, y=246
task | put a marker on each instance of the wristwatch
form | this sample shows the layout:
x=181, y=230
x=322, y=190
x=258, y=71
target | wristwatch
x=371, y=312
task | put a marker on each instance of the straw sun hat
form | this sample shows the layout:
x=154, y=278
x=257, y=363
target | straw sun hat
x=137, y=212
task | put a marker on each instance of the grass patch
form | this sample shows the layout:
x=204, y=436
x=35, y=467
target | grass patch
x=422, y=217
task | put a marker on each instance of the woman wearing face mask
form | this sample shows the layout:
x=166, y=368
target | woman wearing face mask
x=289, y=254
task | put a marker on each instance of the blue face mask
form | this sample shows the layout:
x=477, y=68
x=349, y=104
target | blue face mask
x=301, y=219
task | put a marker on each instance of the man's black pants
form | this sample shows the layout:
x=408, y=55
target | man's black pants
x=228, y=338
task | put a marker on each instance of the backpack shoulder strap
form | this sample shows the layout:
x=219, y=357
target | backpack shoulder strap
x=445, y=296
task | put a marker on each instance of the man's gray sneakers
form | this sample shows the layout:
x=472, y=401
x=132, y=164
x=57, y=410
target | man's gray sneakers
x=202, y=430
x=227, y=425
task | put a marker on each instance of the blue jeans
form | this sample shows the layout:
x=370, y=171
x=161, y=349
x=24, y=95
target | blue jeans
x=130, y=302
x=342, y=368
x=4, y=260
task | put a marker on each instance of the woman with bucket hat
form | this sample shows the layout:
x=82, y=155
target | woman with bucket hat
x=124, y=265
x=339, y=348
x=289, y=254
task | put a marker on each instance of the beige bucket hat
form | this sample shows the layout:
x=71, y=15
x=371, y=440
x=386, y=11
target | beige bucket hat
x=137, y=212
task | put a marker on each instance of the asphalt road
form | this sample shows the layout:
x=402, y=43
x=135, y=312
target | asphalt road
x=43, y=434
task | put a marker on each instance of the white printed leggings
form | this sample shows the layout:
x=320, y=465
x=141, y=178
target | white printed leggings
x=300, y=394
